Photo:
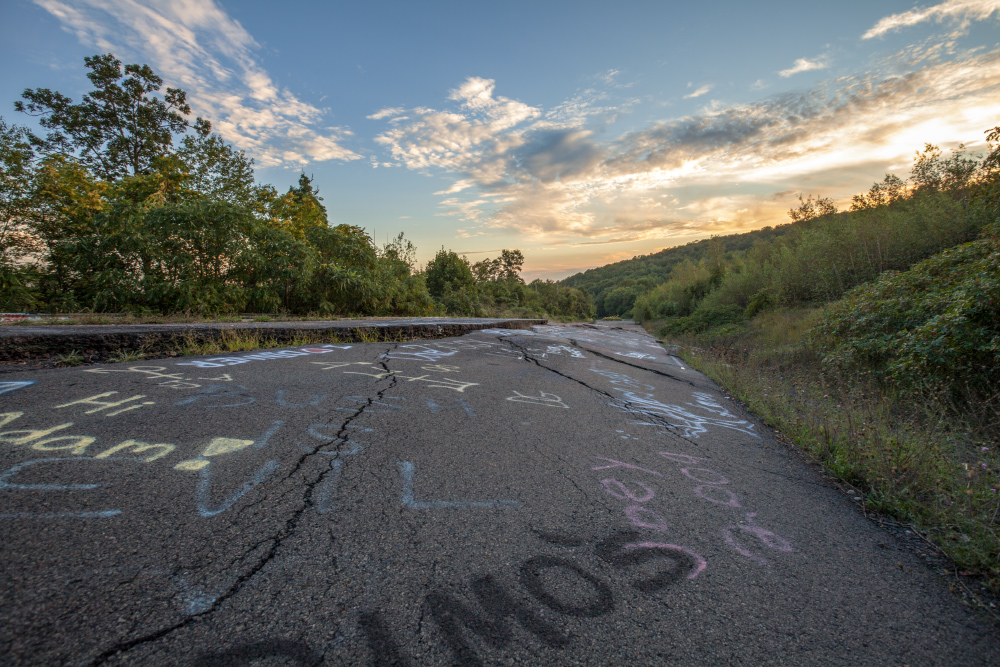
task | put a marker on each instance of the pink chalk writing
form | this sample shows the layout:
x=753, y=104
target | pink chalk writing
x=625, y=494
x=700, y=563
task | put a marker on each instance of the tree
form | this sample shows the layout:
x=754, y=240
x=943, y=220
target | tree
x=505, y=268
x=299, y=209
x=890, y=190
x=119, y=128
x=448, y=272
x=932, y=173
x=217, y=171
x=17, y=171
x=810, y=209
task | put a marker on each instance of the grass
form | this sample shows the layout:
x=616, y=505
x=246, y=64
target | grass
x=73, y=358
x=921, y=460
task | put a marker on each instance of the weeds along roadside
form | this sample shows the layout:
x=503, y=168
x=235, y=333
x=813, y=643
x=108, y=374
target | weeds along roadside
x=918, y=459
x=234, y=340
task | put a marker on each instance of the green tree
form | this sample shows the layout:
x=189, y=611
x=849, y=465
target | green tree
x=17, y=173
x=217, y=171
x=299, y=209
x=119, y=128
x=448, y=272
x=810, y=209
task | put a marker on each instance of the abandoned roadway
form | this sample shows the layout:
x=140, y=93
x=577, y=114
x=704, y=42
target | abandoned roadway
x=558, y=495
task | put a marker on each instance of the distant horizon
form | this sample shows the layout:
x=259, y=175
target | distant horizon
x=580, y=136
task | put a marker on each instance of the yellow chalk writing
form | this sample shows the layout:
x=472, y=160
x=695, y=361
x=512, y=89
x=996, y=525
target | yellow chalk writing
x=224, y=446
x=106, y=405
x=8, y=417
x=139, y=448
x=192, y=464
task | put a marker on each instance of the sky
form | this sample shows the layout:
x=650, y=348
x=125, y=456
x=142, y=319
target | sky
x=581, y=133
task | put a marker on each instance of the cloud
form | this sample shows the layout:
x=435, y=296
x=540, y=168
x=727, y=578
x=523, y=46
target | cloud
x=512, y=168
x=802, y=65
x=196, y=46
x=701, y=90
x=963, y=11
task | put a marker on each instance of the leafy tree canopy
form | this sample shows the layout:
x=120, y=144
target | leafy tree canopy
x=120, y=127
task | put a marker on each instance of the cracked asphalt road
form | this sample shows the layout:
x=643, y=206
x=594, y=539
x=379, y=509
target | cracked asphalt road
x=561, y=495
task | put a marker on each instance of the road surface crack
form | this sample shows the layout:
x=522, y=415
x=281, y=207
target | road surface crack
x=274, y=541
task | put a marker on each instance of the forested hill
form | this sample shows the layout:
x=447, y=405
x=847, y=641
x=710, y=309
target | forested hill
x=615, y=287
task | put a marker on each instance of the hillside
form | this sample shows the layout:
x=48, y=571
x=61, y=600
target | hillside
x=615, y=287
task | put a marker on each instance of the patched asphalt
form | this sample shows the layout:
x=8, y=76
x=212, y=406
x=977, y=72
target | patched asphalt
x=567, y=494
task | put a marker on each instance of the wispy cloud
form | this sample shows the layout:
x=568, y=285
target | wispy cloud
x=803, y=65
x=195, y=45
x=963, y=11
x=699, y=91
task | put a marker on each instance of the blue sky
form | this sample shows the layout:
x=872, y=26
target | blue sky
x=580, y=132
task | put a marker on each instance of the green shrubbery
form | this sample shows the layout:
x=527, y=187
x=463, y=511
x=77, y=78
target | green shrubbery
x=935, y=324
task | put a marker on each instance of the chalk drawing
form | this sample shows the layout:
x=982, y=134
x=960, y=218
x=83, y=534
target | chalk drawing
x=10, y=472
x=439, y=383
x=106, y=405
x=171, y=380
x=642, y=517
x=356, y=448
x=690, y=424
x=370, y=404
x=406, y=473
x=38, y=440
x=161, y=449
x=205, y=489
x=421, y=352
x=218, y=362
x=8, y=387
x=314, y=401
x=219, y=396
x=561, y=349
x=220, y=446
x=635, y=355
x=324, y=494
x=435, y=407
x=623, y=493
x=621, y=464
x=546, y=399
x=700, y=563
x=440, y=368
x=330, y=365
x=705, y=492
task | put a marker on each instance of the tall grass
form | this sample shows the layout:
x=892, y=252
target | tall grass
x=920, y=458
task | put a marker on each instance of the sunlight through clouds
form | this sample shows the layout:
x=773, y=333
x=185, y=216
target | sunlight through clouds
x=196, y=46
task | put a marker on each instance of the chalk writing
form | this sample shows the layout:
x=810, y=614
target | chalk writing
x=7, y=387
x=219, y=396
x=421, y=352
x=90, y=514
x=439, y=383
x=217, y=362
x=406, y=473
x=546, y=399
x=436, y=407
x=107, y=405
x=160, y=450
x=690, y=424
x=205, y=489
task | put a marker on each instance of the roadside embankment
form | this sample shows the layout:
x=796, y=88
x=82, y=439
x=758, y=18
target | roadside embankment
x=76, y=344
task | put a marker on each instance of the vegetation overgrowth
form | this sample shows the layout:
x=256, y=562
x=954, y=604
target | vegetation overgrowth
x=871, y=338
x=125, y=205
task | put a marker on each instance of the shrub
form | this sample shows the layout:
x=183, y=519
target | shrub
x=938, y=322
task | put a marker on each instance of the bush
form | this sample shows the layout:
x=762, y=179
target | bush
x=937, y=323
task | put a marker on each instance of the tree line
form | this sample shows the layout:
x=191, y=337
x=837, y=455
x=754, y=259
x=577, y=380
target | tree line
x=123, y=203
